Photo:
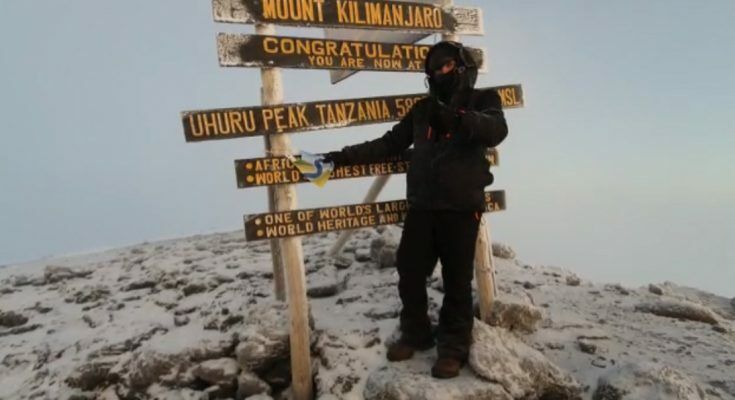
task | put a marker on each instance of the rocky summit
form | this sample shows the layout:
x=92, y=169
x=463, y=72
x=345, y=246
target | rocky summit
x=196, y=318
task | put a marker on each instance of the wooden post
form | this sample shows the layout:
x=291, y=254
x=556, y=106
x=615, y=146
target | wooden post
x=484, y=270
x=284, y=198
x=484, y=267
x=271, y=92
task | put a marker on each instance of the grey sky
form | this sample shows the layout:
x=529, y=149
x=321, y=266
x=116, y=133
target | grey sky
x=620, y=166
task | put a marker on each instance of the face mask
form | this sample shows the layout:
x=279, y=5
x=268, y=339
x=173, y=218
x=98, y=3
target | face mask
x=445, y=85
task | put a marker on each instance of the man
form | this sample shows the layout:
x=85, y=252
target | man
x=451, y=131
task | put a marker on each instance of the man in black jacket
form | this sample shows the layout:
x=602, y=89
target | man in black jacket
x=451, y=131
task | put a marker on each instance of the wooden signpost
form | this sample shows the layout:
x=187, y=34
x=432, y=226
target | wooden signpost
x=229, y=123
x=384, y=15
x=284, y=224
x=328, y=219
x=237, y=50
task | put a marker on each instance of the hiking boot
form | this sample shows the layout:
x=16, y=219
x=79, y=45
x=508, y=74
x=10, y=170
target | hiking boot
x=446, y=367
x=401, y=350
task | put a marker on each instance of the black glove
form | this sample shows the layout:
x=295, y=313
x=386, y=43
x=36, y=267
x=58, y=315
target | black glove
x=338, y=158
x=448, y=116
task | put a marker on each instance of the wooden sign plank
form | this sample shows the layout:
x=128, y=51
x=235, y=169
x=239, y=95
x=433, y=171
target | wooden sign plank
x=328, y=219
x=230, y=123
x=267, y=171
x=384, y=14
x=237, y=50
x=375, y=35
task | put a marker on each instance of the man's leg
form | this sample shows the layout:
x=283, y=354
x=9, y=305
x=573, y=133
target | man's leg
x=456, y=244
x=416, y=258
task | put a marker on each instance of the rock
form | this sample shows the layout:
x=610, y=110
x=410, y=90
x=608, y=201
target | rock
x=278, y=375
x=573, y=280
x=184, y=311
x=362, y=254
x=89, y=321
x=222, y=279
x=501, y=250
x=230, y=321
x=325, y=283
x=266, y=336
x=380, y=313
x=260, y=397
x=222, y=372
x=181, y=320
x=261, y=349
x=647, y=381
x=89, y=293
x=680, y=309
x=340, y=364
x=383, y=248
x=387, y=257
x=7, y=290
x=586, y=346
x=618, y=288
x=514, y=316
x=110, y=393
x=127, y=345
x=159, y=392
x=194, y=288
x=249, y=384
x=216, y=346
x=732, y=302
x=599, y=362
x=20, y=330
x=719, y=329
x=54, y=274
x=218, y=392
x=655, y=289
x=411, y=380
x=12, y=319
x=20, y=280
x=147, y=367
x=344, y=261
x=726, y=386
x=92, y=375
x=140, y=284
x=498, y=356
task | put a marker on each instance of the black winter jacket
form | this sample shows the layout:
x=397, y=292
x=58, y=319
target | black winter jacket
x=447, y=170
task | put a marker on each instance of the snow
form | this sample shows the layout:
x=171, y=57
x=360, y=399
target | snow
x=588, y=330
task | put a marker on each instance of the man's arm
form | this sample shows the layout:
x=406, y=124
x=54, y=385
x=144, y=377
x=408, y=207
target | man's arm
x=486, y=125
x=392, y=143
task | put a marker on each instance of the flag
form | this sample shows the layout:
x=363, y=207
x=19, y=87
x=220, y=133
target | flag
x=313, y=167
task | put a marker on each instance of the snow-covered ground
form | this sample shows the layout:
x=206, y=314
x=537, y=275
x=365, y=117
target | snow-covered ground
x=196, y=318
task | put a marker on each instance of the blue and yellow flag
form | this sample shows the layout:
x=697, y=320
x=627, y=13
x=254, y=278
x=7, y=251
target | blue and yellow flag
x=313, y=167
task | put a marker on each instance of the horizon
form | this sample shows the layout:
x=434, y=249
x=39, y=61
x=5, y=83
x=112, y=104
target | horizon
x=618, y=167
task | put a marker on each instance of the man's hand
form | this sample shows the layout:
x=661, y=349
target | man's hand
x=449, y=116
x=336, y=157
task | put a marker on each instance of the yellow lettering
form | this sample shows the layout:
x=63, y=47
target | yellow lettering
x=269, y=9
x=342, y=11
x=270, y=45
x=194, y=131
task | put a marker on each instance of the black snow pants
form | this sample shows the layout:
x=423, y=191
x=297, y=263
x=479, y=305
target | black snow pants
x=449, y=236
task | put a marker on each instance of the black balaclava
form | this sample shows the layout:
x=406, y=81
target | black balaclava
x=454, y=87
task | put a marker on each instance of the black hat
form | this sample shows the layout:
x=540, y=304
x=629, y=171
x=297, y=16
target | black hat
x=445, y=51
